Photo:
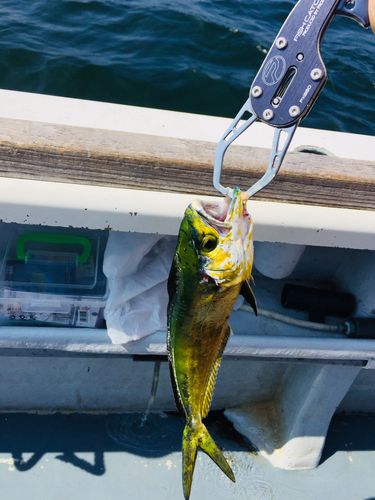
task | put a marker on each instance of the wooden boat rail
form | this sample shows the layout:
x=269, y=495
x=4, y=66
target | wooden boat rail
x=78, y=155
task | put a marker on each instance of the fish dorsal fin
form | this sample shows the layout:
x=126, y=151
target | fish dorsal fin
x=211, y=381
x=247, y=292
x=172, y=279
x=172, y=287
x=176, y=393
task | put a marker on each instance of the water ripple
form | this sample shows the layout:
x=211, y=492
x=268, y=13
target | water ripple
x=197, y=56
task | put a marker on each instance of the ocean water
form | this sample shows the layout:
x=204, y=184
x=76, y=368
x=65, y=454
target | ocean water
x=198, y=56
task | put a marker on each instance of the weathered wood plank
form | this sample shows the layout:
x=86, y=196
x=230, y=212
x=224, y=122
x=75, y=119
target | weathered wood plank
x=32, y=150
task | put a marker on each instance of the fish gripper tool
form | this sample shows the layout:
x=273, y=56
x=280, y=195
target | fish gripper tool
x=289, y=81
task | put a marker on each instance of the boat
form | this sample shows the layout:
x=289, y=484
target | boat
x=69, y=163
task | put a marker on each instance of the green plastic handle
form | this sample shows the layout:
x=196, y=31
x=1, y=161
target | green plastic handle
x=54, y=238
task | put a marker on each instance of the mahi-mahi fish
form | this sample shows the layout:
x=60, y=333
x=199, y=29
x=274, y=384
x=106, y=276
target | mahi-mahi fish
x=211, y=266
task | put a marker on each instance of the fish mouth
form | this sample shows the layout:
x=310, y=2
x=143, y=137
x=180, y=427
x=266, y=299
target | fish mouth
x=214, y=214
x=221, y=215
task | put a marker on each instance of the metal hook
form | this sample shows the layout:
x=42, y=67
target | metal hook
x=231, y=135
x=276, y=159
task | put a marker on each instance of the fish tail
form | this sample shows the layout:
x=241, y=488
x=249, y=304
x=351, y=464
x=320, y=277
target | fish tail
x=208, y=445
x=189, y=456
x=197, y=436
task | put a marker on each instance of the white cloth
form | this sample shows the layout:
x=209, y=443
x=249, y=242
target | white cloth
x=137, y=267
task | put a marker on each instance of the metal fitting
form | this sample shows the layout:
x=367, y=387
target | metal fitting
x=256, y=91
x=268, y=114
x=316, y=74
x=281, y=43
x=294, y=111
x=300, y=57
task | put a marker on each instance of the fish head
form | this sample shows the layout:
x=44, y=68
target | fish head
x=222, y=234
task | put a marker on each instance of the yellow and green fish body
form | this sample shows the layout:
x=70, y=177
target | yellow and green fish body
x=212, y=263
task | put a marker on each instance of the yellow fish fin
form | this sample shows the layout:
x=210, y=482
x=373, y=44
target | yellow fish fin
x=197, y=436
x=211, y=381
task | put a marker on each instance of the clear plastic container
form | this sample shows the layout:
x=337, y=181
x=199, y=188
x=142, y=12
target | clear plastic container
x=52, y=276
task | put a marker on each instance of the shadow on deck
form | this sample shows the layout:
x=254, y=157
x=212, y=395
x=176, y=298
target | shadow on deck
x=68, y=434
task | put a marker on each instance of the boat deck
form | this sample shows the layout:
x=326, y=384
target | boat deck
x=79, y=456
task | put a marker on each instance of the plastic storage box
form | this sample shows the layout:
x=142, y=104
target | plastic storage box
x=52, y=276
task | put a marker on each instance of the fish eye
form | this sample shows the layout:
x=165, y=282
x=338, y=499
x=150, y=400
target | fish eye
x=209, y=243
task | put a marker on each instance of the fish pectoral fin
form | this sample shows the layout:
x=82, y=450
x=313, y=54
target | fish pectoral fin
x=211, y=381
x=247, y=292
x=194, y=436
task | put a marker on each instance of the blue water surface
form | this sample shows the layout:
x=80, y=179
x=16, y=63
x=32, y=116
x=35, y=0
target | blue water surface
x=198, y=56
